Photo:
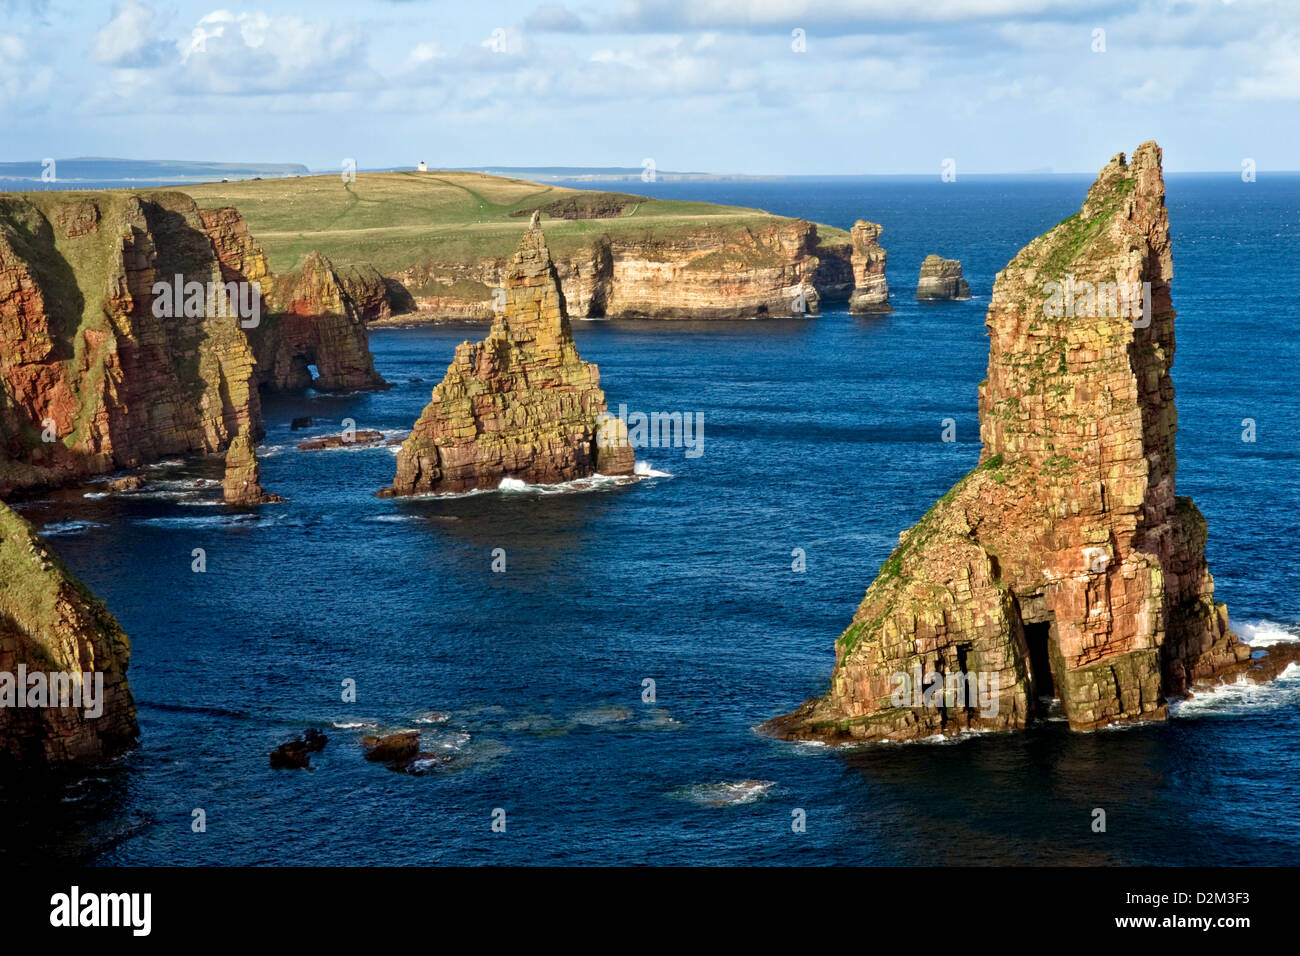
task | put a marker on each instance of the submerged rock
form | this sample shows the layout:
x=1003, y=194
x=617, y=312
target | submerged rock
x=399, y=748
x=941, y=280
x=521, y=404
x=1064, y=566
x=343, y=440
x=51, y=625
x=870, y=290
x=296, y=754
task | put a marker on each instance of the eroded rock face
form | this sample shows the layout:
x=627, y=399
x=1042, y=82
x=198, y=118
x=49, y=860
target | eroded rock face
x=786, y=268
x=520, y=404
x=1064, y=565
x=941, y=280
x=50, y=623
x=99, y=371
x=92, y=377
x=319, y=319
x=870, y=290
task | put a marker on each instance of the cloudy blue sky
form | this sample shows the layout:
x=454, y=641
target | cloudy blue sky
x=880, y=86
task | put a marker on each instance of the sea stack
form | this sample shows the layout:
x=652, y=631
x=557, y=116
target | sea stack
x=870, y=290
x=1063, y=571
x=941, y=280
x=242, y=485
x=520, y=404
x=52, y=628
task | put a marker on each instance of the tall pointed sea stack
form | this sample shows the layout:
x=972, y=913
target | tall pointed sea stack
x=1063, y=566
x=520, y=404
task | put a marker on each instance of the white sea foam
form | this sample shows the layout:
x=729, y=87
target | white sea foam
x=1242, y=697
x=729, y=793
x=1267, y=633
x=69, y=527
x=96, y=494
x=353, y=724
x=644, y=469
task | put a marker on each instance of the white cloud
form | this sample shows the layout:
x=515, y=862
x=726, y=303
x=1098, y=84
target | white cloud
x=129, y=38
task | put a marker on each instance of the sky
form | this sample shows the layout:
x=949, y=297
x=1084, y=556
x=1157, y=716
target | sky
x=726, y=86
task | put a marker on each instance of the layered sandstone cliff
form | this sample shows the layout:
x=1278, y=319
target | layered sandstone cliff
x=520, y=404
x=941, y=280
x=785, y=268
x=1064, y=566
x=870, y=290
x=94, y=377
x=52, y=629
x=121, y=342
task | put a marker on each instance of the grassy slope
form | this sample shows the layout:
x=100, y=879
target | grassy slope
x=396, y=220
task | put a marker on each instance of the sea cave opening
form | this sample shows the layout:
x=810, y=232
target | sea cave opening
x=1038, y=638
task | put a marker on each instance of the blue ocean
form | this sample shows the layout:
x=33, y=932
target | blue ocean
x=821, y=438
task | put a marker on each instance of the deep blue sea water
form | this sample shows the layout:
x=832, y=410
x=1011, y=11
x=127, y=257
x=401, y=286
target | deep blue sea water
x=821, y=434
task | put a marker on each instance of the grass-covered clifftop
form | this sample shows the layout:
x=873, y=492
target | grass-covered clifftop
x=442, y=240
x=397, y=220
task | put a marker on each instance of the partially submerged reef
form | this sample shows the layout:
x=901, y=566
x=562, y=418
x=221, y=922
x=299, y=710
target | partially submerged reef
x=521, y=404
x=1064, y=566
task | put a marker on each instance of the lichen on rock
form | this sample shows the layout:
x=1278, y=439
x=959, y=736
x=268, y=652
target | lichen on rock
x=1064, y=566
x=520, y=404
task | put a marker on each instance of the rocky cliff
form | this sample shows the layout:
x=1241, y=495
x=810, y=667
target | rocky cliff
x=870, y=291
x=1064, y=566
x=319, y=319
x=784, y=268
x=51, y=625
x=941, y=280
x=120, y=345
x=521, y=404
x=93, y=377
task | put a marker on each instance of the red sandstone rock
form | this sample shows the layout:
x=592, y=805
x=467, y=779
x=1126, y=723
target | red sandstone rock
x=520, y=404
x=1064, y=564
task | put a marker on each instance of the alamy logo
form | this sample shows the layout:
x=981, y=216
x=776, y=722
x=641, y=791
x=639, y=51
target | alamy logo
x=241, y=300
x=971, y=689
x=656, y=430
x=55, y=689
x=1111, y=300
x=74, y=908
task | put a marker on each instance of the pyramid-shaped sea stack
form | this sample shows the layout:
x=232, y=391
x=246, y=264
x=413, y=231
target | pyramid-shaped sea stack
x=520, y=404
x=1063, y=572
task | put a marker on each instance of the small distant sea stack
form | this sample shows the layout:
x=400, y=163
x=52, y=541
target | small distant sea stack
x=520, y=404
x=242, y=484
x=870, y=290
x=941, y=280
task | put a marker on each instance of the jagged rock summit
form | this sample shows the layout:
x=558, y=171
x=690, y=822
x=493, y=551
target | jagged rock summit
x=520, y=404
x=941, y=280
x=1064, y=566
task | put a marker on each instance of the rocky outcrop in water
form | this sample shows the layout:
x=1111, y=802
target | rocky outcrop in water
x=941, y=280
x=51, y=627
x=319, y=319
x=242, y=484
x=870, y=290
x=1064, y=566
x=520, y=404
